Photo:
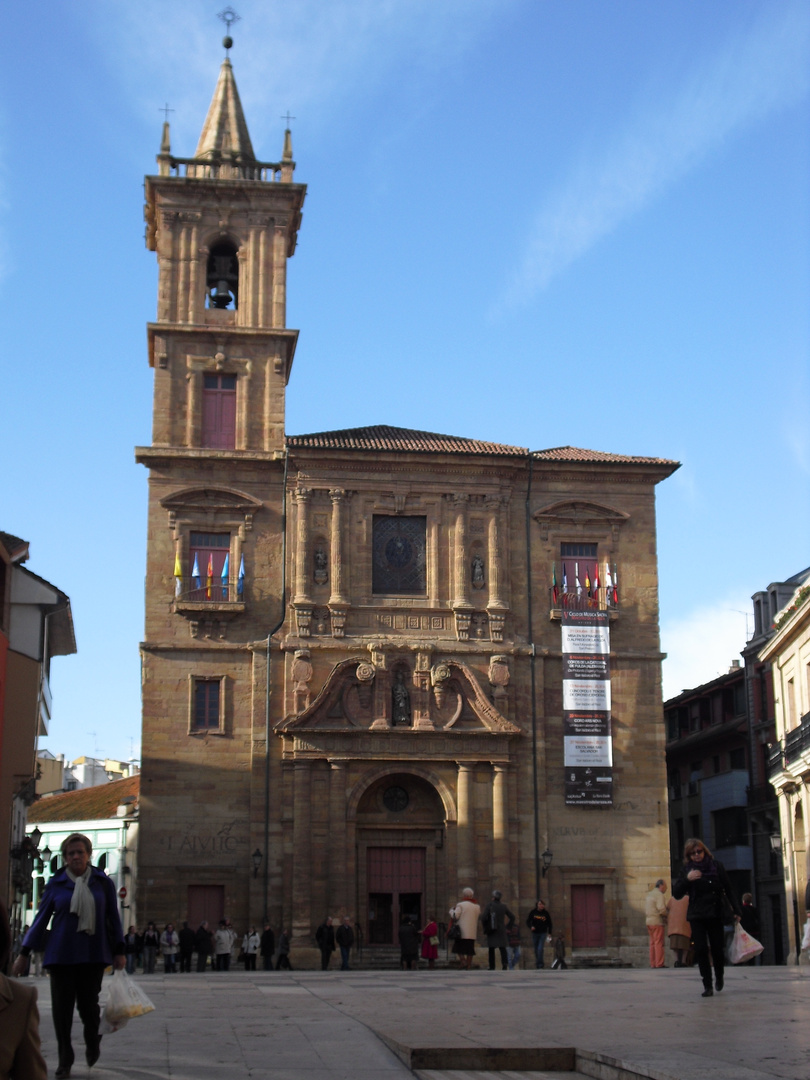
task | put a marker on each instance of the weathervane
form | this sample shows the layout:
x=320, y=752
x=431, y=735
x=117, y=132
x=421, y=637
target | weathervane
x=229, y=17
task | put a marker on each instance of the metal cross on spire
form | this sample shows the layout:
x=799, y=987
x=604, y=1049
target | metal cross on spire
x=229, y=17
x=165, y=110
x=288, y=118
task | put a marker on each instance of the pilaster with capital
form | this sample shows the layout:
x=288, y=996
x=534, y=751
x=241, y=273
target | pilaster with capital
x=302, y=601
x=497, y=607
x=302, y=851
x=336, y=898
x=500, y=845
x=338, y=601
x=464, y=843
x=462, y=607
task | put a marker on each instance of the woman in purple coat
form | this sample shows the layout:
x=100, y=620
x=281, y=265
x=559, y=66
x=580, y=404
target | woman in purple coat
x=86, y=937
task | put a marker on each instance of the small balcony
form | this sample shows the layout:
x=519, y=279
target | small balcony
x=776, y=760
x=797, y=741
x=603, y=598
x=215, y=601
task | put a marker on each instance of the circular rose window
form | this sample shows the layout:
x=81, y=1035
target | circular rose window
x=396, y=799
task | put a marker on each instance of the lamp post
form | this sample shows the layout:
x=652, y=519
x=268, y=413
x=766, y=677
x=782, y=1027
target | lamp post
x=257, y=861
x=547, y=856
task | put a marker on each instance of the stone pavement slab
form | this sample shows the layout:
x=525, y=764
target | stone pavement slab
x=336, y=1025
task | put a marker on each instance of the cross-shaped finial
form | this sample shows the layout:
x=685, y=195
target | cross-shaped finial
x=229, y=17
x=166, y=110
x=288, y=118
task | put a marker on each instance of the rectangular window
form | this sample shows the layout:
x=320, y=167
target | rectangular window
x=207, y=553
x=206, y=706
x=730, y=827
x=399, y=556
x=675, y=784
x=695, y=773
x=219, y=412
x=580, y=574
x=736, y=758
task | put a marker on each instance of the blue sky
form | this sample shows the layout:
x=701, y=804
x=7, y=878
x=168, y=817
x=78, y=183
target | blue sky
x=540, y=223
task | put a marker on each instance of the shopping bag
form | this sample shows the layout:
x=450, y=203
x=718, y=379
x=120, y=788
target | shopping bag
x=124, y=1000
x=743, y=947
x=806, y=937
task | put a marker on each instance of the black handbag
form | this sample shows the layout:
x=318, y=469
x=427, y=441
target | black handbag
x=454, y=933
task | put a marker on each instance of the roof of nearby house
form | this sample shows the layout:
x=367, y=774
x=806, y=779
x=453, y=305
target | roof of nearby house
x=576, y=453
x=17, y=548
x=383, y=437
x=87, y=804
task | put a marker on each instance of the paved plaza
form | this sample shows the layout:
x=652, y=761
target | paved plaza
x=367, y=1025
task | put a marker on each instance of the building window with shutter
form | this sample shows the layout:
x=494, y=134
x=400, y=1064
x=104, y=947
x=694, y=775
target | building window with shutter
x=219, y=412
x=207, y=705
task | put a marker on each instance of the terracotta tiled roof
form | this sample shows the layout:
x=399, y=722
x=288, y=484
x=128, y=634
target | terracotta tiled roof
x=13, y=544
x=382, y=437
x=88, y=804
x=575, y=453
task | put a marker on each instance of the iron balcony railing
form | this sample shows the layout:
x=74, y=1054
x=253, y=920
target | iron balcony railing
x=215, y=593
x=797, y=740
x=264, y=171
x=584, y=599
x=776, y=759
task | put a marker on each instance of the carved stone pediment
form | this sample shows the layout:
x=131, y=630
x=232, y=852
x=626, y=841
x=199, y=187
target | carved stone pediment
x=354, y=698
x=579, y=517
x=210, y=498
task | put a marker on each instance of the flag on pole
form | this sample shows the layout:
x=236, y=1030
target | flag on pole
x=595, y=576
x=608, y=584
x=224, y=576
x=565, y=579
x=178, y=574
x=195, y=573
x=615, y=585
x=576, y=579
x=209, y=577
x=240, y=583
x=587, y=581
x=554, y=584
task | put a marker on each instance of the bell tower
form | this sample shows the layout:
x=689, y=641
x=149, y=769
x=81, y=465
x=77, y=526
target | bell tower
x=223, y=225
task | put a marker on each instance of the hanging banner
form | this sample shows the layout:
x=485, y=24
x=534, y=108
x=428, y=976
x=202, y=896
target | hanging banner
x=588, y=745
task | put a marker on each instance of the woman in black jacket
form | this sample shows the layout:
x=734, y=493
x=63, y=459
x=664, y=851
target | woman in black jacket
x=707, y=884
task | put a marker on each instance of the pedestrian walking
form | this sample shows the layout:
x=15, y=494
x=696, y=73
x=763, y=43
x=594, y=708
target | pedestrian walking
x=86, y=937
x=203, y=945
x=513, y=945
x=284, y=951
x=495, y=918
x=267, y=947
x=344, y=936
x=655, y=911
x=250, y=948
x=223, y=943
x=20, y=1048
x=408, y=944
x=430, y=942
x=325, y=937
x=170, y=947
x=466, y=913
x=539, y=922
x=151, y=944
x=704, y=879
x=186, y=937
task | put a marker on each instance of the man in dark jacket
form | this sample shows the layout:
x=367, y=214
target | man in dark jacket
x=188, y=940
x=496, y=918
x=203, y=945
x=325, y=937
x=267, y=947
x=539, y=922
x=344, y=936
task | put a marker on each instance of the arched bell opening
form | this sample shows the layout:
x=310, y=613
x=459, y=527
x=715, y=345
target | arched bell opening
x=222, y=276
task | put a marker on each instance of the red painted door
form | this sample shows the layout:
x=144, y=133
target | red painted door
x=588, y=916
x=396, y=885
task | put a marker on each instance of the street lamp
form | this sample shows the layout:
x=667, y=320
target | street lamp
x=46, y=854
x=257, y=861
x=547, y=856
x=36, y=836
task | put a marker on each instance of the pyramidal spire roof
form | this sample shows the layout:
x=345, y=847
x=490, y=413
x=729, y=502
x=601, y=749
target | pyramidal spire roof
x=225, y=132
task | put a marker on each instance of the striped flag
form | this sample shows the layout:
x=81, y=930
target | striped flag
x=195, y=573
x=608, y=584
x=178, y=574
x=554, y=584
x=224, y=576
x=615, y=585
x=240, y=582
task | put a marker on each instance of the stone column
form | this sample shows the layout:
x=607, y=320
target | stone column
x=461, y=603
x=279, y=269
x=302, y=602
x=500, y=845
x=464, y=826
x=194, y=272
x=338, y=603
x=302, y=852
x=336, y=892
x=497, y=605
x=263, y=278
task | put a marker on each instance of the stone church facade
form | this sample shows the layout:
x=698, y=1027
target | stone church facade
x=352, y=670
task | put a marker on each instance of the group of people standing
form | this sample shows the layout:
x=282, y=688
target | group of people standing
x=219, y=947
x=502, y=932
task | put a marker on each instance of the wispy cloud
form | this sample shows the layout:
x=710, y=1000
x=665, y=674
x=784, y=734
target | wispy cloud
x=754, y=74
x=311, y=57
x=701, y=644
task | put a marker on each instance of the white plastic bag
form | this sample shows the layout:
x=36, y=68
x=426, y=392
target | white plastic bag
x=743, y=947
x=125, y=1000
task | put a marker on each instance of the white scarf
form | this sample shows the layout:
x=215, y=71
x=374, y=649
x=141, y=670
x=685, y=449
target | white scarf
x=83, y=902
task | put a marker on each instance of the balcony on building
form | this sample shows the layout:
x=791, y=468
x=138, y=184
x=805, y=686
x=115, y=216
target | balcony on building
x=603, y=598
x=217, y=600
